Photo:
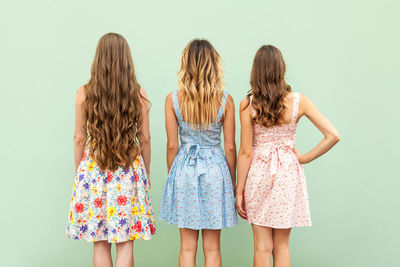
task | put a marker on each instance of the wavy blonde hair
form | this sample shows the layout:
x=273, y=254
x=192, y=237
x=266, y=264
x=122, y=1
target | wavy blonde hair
x=200, y=83
x=268, y=86
x=113, y=105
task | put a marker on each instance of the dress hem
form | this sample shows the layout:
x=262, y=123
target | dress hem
x=108, y=241
x=199, y=228
x=279, y=227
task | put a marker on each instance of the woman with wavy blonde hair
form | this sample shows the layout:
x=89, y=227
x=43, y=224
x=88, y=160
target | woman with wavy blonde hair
x=111, y=200
x=198, y=194
x=271, y=191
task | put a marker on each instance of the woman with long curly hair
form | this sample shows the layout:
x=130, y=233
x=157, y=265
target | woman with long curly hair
x=198, y=194
x=271, y=191
x=111, y=200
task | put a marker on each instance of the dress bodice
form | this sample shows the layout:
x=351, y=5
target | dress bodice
x=190, y=134
x=279, y=136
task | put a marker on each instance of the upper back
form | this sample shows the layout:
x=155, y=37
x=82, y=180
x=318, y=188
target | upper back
x=283, y=133
x=190, y=133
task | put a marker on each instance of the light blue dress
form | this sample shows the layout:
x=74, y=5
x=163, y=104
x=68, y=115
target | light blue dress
x=198, y=193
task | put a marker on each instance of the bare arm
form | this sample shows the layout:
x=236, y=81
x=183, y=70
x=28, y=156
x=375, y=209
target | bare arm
x=331, y=134
x=229, y=138
x=245, y=154
x=80, y=133
x=171, y=127
x=146, y=144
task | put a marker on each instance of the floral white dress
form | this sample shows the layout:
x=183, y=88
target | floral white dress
x=112, y=205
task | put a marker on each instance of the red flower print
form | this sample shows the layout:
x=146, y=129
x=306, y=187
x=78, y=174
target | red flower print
x=152, y=229
x=109, y=177
x=121, y=200
x=98, y=202
x=79, y=207
x=136, y=177
x=138, y=226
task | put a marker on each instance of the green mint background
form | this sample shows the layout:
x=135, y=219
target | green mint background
x=344, y=55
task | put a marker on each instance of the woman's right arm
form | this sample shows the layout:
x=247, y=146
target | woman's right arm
x=80, y=133
x=171, y=127
x=331, y=134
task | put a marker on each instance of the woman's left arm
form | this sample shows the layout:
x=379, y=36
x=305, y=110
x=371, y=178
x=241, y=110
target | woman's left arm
x=245, y=155
x=229, y=138
x=145, y=128
x=331, y=134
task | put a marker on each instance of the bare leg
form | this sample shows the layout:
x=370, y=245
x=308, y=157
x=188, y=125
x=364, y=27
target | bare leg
x=281, y=247
x=187, y=255
x=211, y=248
x=124, y=254
x=102, y=254
x=263, y=245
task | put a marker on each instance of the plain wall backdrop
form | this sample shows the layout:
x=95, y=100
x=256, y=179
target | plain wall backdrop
x=344, y=55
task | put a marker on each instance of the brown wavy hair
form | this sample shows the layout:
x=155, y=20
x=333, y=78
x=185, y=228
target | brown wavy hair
x=268, y=86
x=200, y=83
x=113, y=105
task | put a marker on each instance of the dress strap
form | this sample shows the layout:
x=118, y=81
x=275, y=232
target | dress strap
x=176, y=105
x=295, y=111
x=222, y=106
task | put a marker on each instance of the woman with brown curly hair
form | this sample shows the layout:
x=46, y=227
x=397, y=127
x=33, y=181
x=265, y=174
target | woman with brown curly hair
x=111, y=200
x=271, y=192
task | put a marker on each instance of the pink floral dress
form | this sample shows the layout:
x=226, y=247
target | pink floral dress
x=275, y=191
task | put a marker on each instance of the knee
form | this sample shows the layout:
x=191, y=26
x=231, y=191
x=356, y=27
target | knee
x=264, y=248
x=101, y=246
x=211, y=248
x=188, y=247
x=281, y=248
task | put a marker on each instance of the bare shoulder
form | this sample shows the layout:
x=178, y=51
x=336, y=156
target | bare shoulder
x=304, y=100
x=80, y=95
x=230, y=102
x=168, y=100
x=245, y=104
x=305, y=104
x=169, y=97
x=288, y=98
x=143, y=92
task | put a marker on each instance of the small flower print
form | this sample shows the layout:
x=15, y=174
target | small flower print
x=118, y=187
x=78, y=207
x=109, y=177
x=121, y=200
x=110, y=211
x=152, y=229
x=90, y=214
x=134, y=211
x=138, y=226
x=98, y=202
x=122, y=222
x=90, y=166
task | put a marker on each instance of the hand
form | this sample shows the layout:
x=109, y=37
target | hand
x=240, y=205
x=148, y=179
x=300, y=157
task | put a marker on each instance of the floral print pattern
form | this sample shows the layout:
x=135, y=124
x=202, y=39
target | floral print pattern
x=198, y=193
x=276, y=192
x=114, y=206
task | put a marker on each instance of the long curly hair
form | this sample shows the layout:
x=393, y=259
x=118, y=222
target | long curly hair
x=268, y=86
x=200, y=83
x=113, y=105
